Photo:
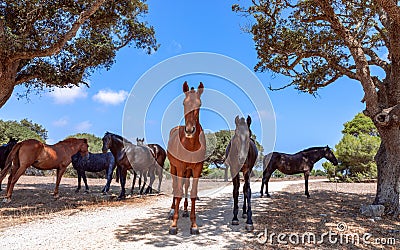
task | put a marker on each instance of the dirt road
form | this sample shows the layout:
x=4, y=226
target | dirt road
x=142, y=226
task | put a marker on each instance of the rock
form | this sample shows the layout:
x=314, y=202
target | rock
x=372, y=210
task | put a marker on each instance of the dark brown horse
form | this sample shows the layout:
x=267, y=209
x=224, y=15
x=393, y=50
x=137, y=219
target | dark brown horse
x=34, y=153
x=186, y=154
x=241, y=155
x=300, y=162
x=5, y=151
x=160, y=155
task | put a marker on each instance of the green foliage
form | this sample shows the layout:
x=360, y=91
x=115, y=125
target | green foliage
x=318, y=172
x=278, y=174
x=216, y=146
x=21, y=130
x=95, y=143
x=60, y=43
x=356, y=151
x=307, y=41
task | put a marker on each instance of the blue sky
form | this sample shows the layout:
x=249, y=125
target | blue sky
x=183, y=27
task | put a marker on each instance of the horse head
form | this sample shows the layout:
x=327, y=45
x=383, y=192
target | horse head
x=191, y=107
x=241, y=138
x=84, y=148
x=106, y=142
x=139, y=142
x=330, y=156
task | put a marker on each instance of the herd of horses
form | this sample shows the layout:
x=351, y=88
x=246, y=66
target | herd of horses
x=186, y=152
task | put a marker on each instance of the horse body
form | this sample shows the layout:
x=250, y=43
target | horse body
x=94, y=163
x=241, y=155
x=186, y=153
x=130, y=156
x=34, y=153
x=160, y=155
x=4, y=152
x=300, y=162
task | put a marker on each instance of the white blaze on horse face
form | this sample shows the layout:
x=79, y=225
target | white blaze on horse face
x=191, y=106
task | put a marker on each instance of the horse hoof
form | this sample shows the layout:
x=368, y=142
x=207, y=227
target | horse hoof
x=77, y=191
x=86, y=191
x=171, y=214
x=173, y=230
x=56, y=196
x=120, y=198
x=7, y=200
x=244, y=216
x=235, y=222
x=185, y=214
x=268, y=196
x=249, y=227
x=194, y=230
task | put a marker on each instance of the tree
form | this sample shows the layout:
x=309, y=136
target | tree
x=20, y=131
x=314, y=43
x=60, y=43
x=355, y=151
x=216, y=147
x=95, y=142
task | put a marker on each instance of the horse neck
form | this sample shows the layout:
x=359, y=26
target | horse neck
x=315, y=155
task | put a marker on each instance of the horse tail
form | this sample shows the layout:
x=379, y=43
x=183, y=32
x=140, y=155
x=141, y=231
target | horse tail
x=10, y=158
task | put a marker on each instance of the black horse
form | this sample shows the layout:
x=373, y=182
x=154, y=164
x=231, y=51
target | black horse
x=160, y=155
x=5, y=151
x=241, y=155
x=94, y=163
x=300, y=162
x=130, y=156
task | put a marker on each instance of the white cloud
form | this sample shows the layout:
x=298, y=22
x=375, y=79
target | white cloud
x=61, y=122
x=67, y=95
x=83, y=126
x=111, y=97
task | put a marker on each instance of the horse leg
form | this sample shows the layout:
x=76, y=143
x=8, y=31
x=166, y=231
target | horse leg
x=178, y=192
x=152, y=178
x=133, y=182
x=247, y=194
x=236, y=185
x=193, y=196
x=60, y=172
x=186, y=203
x=244, y=214
x=16, y=172
x=85, y=181
x=267, y=177
x=306, y=175
x=79, y=182
x=160, y=176
x=174, y=182
x=109, y=177
x=144, y=174
x=122, y=177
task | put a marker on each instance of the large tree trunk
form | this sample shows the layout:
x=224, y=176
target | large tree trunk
x=5, y=94
x=387, y=159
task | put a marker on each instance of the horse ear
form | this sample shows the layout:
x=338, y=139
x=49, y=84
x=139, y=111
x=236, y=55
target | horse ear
x=85, y=140
x=248, y=120
x=185, y=87
x=237, y=120
x=200, y=88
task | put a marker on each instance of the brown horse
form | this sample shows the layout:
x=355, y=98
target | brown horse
x=186, y=153
x=34, y=153
x=300, y=162
x=241, y=155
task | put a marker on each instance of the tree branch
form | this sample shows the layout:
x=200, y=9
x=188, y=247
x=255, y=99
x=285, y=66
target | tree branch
x=391, y=8
x=55, y=48
x=388, y=116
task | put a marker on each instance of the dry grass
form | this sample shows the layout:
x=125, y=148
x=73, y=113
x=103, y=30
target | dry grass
x=331, y=206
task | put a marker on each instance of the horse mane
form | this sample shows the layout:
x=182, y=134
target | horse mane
x=71, y=140
x=311, y=149
x=119, y=137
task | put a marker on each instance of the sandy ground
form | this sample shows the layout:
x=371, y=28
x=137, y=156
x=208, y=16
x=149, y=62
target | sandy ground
x=142, y=226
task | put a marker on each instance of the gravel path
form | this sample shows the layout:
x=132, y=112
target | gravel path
x=140, y=227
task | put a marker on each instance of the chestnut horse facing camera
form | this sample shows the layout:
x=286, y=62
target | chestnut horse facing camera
x=34, y=153
x=186, y=153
